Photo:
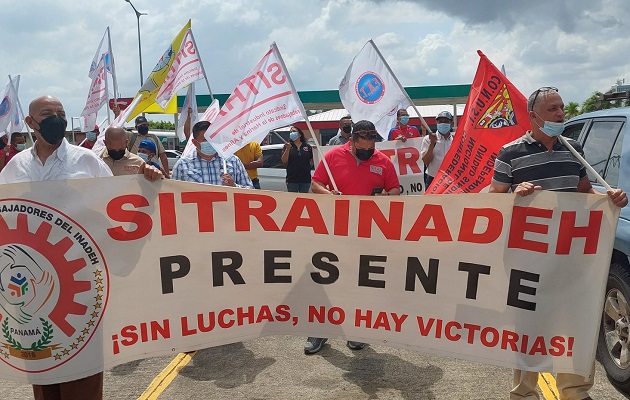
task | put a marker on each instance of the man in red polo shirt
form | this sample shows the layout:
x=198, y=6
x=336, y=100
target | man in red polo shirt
x=358, y=169
x=402, y=130
x=90, y=138
x=17, y=144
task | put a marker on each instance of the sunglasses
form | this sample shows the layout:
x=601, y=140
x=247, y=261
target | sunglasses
x=369, y=135
x=544, y=89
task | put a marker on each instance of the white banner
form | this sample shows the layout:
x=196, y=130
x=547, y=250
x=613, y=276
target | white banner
x=263, y=101
x=99, y=272
x=97, y=96
x=186, y=69
x=369, y=91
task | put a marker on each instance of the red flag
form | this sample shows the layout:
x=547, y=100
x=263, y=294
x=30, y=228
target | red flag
x=495, y=114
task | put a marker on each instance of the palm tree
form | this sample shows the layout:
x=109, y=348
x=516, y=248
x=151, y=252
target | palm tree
x=571, y=110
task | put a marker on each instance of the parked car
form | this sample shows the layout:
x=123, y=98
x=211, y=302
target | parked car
x=172, y=157
x=603, y=137
x=273, y=173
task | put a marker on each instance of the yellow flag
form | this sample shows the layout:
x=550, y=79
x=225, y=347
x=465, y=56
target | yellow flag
x=148, y=92
x=171, y=107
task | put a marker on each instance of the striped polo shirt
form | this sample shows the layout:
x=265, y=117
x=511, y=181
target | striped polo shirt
x=526, y=160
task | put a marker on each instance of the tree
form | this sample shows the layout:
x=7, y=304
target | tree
x=571, y=110
x=162, y=125
x=595, y=102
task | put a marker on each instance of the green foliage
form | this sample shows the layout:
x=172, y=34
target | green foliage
x=571, y=110
x=162, y=125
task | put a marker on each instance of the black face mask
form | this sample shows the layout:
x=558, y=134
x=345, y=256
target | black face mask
x=143, y=130
x=347, y=129
x=116, y=154
x=363, y=154
x=53, y=129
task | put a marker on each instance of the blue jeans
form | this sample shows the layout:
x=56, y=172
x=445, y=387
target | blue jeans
x=298, y=187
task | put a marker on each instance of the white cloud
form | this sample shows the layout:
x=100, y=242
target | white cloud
x=578, y=45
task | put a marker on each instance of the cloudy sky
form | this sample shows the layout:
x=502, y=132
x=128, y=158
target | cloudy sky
x=577, y=45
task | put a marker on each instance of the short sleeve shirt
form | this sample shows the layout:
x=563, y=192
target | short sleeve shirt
x=249, y=153
x=526, y=160
x=356, y=177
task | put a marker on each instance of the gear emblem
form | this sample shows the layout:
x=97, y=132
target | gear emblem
x=53, y=286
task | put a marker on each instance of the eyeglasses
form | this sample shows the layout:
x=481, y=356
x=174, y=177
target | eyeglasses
x=369, y=135
x=544, y=89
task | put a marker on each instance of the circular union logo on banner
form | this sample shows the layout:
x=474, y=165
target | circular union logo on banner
x=5, y=106
x=54, y=286
x=370, y=88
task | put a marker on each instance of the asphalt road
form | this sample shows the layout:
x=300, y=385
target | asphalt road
x=276, y=368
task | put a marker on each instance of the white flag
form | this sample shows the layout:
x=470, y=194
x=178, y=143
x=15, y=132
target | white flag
x=190, y=103
x=186, y=69
x=97, y=96
x=17, y=117
x=8, y=105
x=369, y=91
x=263, y=101
x=211, y=113
x=104, y=50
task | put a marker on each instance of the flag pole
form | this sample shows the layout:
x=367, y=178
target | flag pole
x=581, y=159
x=424, y=123
x=303, y=111
x=202, y=68
x=111, y=57
x=107, y=102
x=17, y=97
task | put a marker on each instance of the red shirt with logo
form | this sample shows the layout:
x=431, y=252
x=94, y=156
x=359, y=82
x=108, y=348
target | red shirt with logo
x=409, y=131
x=357, y=177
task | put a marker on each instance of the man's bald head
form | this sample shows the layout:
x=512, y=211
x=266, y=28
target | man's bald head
x=46, y=103
x=115, y=138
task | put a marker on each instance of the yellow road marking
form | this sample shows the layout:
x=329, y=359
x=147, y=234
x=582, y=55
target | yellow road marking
x=164, y=378
x=547, y=385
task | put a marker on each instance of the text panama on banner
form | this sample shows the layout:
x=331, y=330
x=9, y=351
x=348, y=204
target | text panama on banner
x=185, y=69
x=369, y=91
x=470, y=276
x=148, y=92
x=495, y=114
x=263, y=101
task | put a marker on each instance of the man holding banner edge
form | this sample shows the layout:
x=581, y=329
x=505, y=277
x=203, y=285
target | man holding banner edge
x=537, y=161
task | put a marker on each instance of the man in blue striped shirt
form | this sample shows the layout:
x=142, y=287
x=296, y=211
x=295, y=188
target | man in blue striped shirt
x=206, y=166
x=539, y=161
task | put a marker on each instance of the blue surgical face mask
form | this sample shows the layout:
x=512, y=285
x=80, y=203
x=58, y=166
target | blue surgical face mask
x=91, y=136
x=208, y=149
x=552, y=129
x=20, y=146
x=144, y=156
x=444, y=128
x=293, y=135
x=404, y=119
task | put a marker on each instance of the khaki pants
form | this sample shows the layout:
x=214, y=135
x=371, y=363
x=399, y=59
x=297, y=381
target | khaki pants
x=570, y=386
x=90, y=388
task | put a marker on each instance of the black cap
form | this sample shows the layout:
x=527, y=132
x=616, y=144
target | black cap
x=141, y=120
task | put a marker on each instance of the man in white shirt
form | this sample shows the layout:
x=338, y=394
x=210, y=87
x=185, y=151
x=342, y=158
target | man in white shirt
x=435, y=146
x=52, y=158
